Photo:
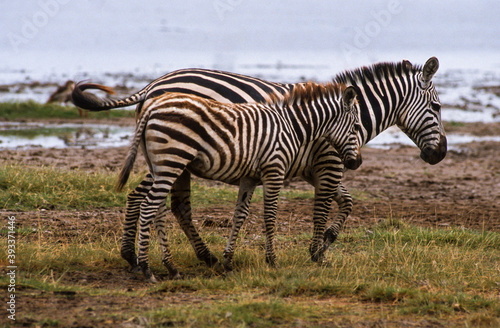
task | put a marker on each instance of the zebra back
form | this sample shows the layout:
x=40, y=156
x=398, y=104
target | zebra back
x=211, y=84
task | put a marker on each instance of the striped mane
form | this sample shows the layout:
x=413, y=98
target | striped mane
x=377, y=72
x=307, y=92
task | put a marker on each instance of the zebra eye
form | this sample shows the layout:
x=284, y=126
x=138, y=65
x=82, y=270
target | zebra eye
x=357, y=127
x=436, y=106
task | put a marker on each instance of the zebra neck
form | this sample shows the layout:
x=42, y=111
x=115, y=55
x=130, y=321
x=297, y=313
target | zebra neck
x=311, y=120
x=380, y=102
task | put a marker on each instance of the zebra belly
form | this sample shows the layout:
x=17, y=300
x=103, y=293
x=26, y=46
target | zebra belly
x=232, y=173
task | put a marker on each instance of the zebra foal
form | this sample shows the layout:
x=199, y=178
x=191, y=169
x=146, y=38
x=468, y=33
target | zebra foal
x=241, y=144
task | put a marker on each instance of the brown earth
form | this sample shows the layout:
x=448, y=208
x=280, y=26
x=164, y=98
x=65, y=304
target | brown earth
x=463, y=190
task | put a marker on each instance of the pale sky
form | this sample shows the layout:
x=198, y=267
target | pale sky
x=133, y=32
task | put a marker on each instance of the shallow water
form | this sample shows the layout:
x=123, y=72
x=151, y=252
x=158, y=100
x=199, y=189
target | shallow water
x=34, y=135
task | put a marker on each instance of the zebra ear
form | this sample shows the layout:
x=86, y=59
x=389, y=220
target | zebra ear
x=349, y=97
x=430, y=68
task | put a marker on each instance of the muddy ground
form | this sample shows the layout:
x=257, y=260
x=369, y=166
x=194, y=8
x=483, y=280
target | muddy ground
x=463, y=190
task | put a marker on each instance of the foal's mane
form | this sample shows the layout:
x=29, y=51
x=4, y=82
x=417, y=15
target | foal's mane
x=307, y=92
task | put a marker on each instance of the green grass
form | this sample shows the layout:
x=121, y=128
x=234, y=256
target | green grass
x=448, y=275
x=23, y=188
x=34, y=110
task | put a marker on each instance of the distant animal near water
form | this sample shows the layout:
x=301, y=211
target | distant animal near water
x=63, y=93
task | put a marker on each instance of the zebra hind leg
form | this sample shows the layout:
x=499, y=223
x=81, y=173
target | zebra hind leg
x=134, y=200
x=181, y=208
x=148, y=213
x=344, y=201
x=247, y=187
x=161, y=231
x=272, y=187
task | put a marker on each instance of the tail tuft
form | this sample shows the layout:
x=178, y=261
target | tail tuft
x=125, y=172
x=89, y=101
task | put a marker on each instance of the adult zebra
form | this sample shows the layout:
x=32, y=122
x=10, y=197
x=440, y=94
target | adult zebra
x=182, y=133
x=388, y=93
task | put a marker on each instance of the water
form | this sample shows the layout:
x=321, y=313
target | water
x=36, y=135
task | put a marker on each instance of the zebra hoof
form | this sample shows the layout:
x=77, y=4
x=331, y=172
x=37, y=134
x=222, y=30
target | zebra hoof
x=176, y=276
x=130, y=257
x=271, y=261
x=317, y=253
x=134, y=269
x=218, y=268
x=228, y=261
x=228, y=267
x=147, y=272
x=211, y=261
x=318, y=257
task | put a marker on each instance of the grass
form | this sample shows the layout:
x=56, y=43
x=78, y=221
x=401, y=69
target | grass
x=388, y=275
x=23, y=188
x=449, y=275
x=33, y=110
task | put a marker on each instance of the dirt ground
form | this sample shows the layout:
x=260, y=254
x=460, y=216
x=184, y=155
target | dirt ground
x=463, y=190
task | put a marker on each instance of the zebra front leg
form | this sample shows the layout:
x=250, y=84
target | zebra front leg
x=272, y=187
x=247, y=187
x=344, y=201
x=181, y=207
x=322, y=203
x=327, y=174
x=132, y=212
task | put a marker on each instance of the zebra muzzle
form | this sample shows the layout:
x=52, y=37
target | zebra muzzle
x=353, y=163
x=434, y=155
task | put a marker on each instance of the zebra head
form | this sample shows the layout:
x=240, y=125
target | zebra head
x=344, y=134
x=421, y=120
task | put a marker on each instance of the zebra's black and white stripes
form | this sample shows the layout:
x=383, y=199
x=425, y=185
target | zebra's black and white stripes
x=388, y=94
x=243, y=144
x=216, y=85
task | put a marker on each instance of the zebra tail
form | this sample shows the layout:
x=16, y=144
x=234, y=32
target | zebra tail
x=89, y=101
x=129, y=162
